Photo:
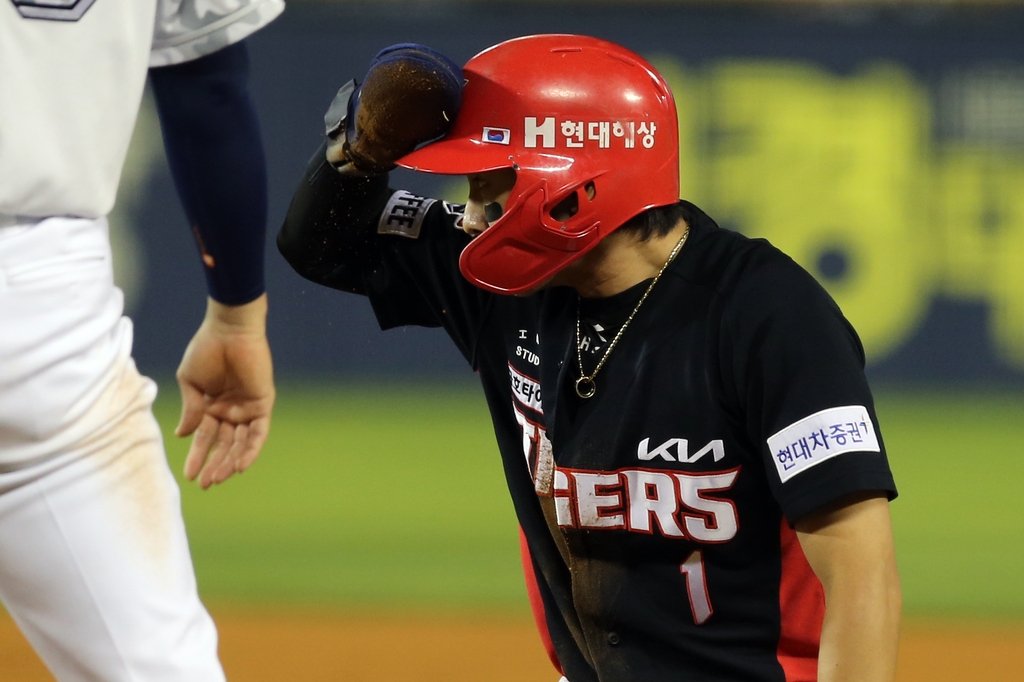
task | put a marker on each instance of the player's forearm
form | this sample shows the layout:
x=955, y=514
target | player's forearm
x=860, y=635
x=851, y=552
x=214, y=149
x=328, y=235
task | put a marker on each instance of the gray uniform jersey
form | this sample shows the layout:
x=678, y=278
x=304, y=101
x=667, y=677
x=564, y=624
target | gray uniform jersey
x=71, y=79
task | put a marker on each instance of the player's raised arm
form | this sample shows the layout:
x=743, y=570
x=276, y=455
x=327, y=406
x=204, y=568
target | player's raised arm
x=319, y=239
x=411, y=94
x=213, y=145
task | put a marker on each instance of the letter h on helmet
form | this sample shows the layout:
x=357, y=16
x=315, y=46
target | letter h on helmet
x=584, y=123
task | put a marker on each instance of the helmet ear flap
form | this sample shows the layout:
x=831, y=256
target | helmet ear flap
x=533, y=210
x=515, y=254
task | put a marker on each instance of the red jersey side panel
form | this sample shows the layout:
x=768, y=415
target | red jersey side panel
x=802, y=605
x=536, y=603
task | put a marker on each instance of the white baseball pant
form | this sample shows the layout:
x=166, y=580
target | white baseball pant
x=94, y=561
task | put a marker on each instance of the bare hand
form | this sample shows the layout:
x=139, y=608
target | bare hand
x=227, y=391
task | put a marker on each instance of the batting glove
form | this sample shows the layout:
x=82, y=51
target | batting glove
x=410, y=95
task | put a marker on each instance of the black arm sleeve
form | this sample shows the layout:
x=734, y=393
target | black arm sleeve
x=336, y=233
x=328, y=235
x=212, y=139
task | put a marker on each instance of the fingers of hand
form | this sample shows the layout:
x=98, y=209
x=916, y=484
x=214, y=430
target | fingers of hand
x=202, y=441
x=229, y=465
x=192, y=409
x=221, y=449
x=217, y=455
x=257, y=437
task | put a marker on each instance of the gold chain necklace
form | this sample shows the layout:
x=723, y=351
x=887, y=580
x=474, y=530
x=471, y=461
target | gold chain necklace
x=585, y=386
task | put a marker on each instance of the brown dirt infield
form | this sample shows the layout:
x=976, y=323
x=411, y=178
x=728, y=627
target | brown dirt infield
x=276, y=647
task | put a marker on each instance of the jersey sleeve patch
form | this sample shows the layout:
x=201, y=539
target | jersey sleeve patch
x=822, y=436
x=404, y=214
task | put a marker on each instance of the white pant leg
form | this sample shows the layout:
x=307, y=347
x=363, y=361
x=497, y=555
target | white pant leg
x=94, y=562
x=61, y=334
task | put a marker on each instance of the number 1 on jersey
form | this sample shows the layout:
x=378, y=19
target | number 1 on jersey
x=697, y=587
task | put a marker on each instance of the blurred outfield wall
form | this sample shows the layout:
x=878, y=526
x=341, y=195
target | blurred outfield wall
x=883, y=148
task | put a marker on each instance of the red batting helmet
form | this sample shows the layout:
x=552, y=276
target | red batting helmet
x=564, y=111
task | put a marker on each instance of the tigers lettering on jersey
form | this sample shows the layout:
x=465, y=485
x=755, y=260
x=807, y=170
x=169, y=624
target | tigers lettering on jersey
x=676, y=504
x=540, y=461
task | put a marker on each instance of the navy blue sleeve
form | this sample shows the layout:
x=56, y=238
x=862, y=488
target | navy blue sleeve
x=213, y=145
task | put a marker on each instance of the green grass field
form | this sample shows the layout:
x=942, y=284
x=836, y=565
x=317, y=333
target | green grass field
x=379, y=497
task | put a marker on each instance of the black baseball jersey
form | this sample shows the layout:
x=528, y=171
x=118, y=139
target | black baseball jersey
x=657, y=513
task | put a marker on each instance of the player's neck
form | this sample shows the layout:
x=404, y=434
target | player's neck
x=621, y=261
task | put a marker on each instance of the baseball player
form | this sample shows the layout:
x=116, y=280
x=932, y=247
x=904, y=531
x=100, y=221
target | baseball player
x=682, y=414
x=94, y=562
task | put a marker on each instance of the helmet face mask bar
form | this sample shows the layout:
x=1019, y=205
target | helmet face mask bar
x=571, y=115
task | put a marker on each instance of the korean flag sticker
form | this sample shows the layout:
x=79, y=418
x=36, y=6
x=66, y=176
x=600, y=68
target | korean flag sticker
x=497, y=135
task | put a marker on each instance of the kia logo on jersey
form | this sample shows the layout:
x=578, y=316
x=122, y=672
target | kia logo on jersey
x=497, y=135
x=679, y=446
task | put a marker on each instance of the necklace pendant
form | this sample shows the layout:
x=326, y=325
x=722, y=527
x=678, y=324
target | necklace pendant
x=585, y=387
